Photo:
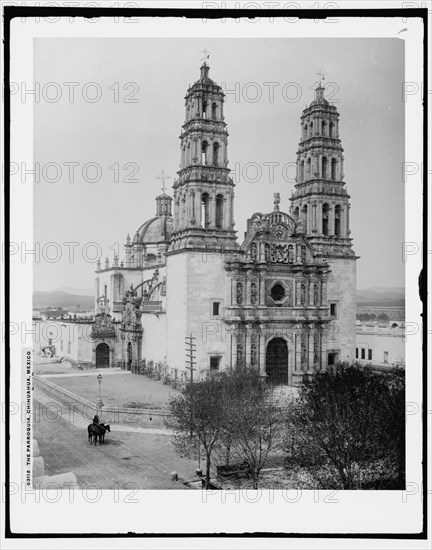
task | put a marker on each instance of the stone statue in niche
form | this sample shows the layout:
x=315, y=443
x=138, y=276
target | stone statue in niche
x=253, y=251
x=290, y=254
x=303, y=254
x=239, y=293
x=303, y=295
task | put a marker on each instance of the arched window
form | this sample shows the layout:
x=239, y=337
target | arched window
x=333, y=169
x=214, y=111
x=325, y=219
x=204, y=109
x=302, y=171
x=296, y=214
x=337, y=220
x=308, y=169
x=304, y=217
x=205, y=210
x=305, y=131
x=215, y=154
x=323, y=128
x=204, y=149
x=311, y=129
x=331, y=129
x=324, y=168
x=219, y=210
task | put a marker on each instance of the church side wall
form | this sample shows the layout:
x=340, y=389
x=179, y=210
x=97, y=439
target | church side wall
x=154, y=337
x=341, y=289
x=176, y=326
x=206, y=285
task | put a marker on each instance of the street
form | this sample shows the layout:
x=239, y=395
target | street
x=129, y=458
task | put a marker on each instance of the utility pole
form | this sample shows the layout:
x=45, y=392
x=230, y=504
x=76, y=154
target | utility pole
x=190, y=353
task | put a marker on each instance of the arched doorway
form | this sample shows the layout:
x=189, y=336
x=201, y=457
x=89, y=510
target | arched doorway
x=129, y=355
x=102, y=355
x=277, y=361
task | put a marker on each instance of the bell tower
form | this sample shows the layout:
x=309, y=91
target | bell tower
x=320, y=203
x=204, y=191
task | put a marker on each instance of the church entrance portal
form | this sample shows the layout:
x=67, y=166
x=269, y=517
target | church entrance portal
x=277, y=361
x=102, y=355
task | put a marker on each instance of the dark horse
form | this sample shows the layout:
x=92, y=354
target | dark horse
x=96, y=431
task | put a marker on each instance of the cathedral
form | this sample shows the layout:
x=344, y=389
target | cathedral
x=283, y=301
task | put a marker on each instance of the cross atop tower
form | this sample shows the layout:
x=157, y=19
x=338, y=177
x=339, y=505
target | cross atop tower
x=321, y=78
x=162, y=177
x=206, y=55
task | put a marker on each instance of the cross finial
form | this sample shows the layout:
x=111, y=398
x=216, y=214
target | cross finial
x=206, y=55
x=321, y=77
x=162, y=176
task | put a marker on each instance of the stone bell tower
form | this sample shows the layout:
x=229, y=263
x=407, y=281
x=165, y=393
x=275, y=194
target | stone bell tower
x=320, y=202
x=204, y=192
x=203, y=232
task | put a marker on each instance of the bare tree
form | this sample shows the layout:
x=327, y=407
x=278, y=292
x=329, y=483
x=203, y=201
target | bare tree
x=197, y=417
x=252, y=419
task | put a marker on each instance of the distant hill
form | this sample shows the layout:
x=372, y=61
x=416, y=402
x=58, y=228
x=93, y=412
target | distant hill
x=381, y=296
x=80, y=291
x=59, y=298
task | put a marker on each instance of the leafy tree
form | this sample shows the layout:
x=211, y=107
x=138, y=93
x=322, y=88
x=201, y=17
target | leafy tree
x=348, y=423
x=383, y=317
x=197, y=416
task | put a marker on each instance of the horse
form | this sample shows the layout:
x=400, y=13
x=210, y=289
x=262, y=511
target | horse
x=96, y=431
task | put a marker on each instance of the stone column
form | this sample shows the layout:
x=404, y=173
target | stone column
x=319, y=219
x=347, y=229
x=262, y=290
x=262, y=354
x=323, y=293
x=248, y=345
x=311, y=348
x=248, y=289
x=212, y=200
x=198, y=207
x=234, y=292
x=228, y=215
x=324, y=347
x=234, y=346
x=297, y=374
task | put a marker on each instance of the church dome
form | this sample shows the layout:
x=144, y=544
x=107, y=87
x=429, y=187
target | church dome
x=319, y=97
x=155, y=230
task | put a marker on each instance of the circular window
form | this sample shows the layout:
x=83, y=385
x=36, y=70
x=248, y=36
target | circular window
x=277, y=292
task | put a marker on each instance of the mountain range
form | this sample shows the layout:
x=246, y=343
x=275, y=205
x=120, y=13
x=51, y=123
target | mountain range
x=70, y=298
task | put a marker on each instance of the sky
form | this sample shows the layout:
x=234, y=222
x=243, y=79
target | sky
x=128, y=123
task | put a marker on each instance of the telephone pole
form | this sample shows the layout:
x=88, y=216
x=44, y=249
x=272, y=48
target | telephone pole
x=190, y=353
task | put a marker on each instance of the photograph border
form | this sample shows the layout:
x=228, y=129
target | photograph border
x=11, y=12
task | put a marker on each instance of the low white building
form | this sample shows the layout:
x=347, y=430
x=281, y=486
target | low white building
x=380, y=345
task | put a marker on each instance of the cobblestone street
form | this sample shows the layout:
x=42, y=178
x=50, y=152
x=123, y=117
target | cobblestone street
x=130, y=458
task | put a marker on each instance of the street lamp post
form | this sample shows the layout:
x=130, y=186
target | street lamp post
x=99, y=403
